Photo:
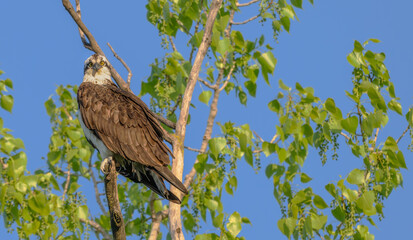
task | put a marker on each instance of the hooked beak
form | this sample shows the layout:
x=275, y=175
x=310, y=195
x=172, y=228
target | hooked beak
x=96, y=68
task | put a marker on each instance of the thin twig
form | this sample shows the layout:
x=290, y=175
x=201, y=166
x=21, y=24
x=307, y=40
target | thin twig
x=258, y=136
x=193, y=149
x=246, y=4
x=319, y=235
x=66, y=185
x=206, y=83
x=273, y=138
x=228, y=78
x=345, y=135
x=246, y=21
x=95, y=185
x=404, y=133
x=172, y=44
x=97, y=227
x=123, y=63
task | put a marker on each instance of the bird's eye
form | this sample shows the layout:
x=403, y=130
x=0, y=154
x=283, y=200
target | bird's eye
x=102, y=63
x=90, y=64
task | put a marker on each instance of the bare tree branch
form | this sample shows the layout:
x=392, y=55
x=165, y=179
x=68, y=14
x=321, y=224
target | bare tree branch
x=246, y=4
x=95, y=185
x=111, y=189
x=123, y=63
x=206, y=83
x=194, y=149
x=246, y=21
x=175, y=224
x=404, y=133
x=66, y=185
x=213, y=109
x=172, y=44
x=345, y=135
x=97, y=227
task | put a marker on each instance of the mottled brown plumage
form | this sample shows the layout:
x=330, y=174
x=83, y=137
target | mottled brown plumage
x=131, y=133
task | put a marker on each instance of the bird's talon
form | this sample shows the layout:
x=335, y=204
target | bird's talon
x=105, y=166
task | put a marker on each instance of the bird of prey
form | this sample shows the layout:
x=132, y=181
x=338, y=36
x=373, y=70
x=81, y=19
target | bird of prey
x=121, y=127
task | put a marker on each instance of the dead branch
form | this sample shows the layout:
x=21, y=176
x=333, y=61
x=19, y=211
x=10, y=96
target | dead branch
x=97, y=227
x=95, y=186
x=123, y=63
x=246, y=4
x=175, y=224
x=111, y=189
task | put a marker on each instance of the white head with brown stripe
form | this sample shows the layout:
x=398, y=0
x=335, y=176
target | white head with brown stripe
x=96, y=70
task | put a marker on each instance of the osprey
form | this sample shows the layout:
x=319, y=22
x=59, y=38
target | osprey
x=121, y=127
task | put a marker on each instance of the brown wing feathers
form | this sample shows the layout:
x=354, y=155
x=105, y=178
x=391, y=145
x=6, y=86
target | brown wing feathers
x=127, y=127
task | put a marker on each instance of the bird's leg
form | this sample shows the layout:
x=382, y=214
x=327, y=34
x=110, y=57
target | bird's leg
x=105, y=165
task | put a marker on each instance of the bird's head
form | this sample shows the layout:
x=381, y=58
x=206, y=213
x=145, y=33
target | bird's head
x=97, y=69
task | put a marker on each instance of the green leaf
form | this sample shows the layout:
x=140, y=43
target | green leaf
x=297, y=3
x=216, y=145
x=251, y=87
x=211, y=204
x=339, y=214
x=8, y=83
x=224, y=45
x=274, y=106
x=6, y=102
x=319, y=202
x=234, y=224
x=305, y=178
x=409, y=117
x=285, y=22
x=270, y=170
x=287, y=225
x=242, y=97
x=205, y=96
x=268, y=148
x=395, y=106
x=377, y=100
x=217, y=221
x=365, y=202
x=238, y=39
x=82, y=212
x=350, y=124
x=283, y=86
x=356, y=177
x=318, y=222
x=267, y=61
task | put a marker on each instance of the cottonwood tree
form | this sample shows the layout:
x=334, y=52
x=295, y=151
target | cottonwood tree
x=49, y=203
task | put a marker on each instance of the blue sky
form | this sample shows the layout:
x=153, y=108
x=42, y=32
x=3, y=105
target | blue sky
x=40, y=49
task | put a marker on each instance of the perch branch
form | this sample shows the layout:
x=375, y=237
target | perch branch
x=172, y=44
x=111, y=189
